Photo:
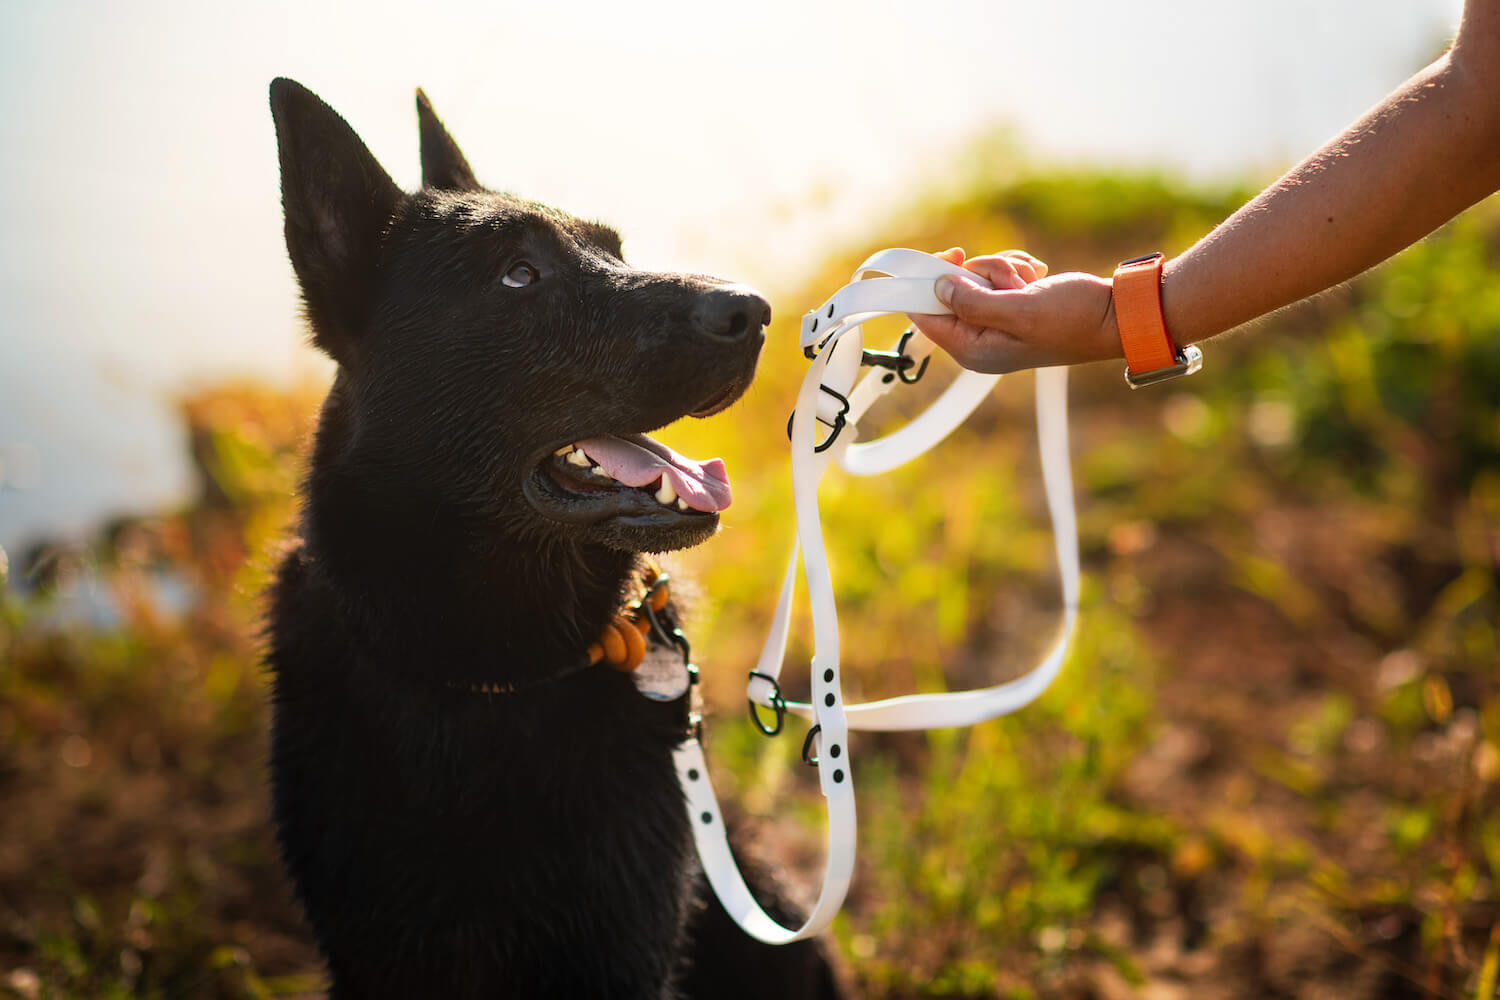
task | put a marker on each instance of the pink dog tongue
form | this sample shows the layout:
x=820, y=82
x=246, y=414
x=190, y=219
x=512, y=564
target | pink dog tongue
x=640, y=461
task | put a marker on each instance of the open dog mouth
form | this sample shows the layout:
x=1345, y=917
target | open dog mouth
x=629, y=490
x=629, y=475
x=634, y=480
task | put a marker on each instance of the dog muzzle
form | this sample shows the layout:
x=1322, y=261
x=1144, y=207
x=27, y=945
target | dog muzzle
x=824, y=428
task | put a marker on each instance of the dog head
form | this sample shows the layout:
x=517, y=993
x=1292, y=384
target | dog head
x=499, y=365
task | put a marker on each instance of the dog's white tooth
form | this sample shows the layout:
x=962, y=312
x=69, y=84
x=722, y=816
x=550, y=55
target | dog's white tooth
x=666, y=494
x=578, y=458
x=681, y=504
x=594, y=470
x=564, y=449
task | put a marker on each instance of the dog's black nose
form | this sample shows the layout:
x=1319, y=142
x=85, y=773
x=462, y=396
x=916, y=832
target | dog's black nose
x=733, y=312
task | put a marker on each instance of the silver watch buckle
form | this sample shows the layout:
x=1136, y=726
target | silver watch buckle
x=1189, y=360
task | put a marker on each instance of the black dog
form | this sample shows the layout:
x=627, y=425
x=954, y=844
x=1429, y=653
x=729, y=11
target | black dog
x=466, y=810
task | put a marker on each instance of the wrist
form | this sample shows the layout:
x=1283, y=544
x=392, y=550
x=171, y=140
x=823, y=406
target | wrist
x=1171, y=304
x=1109, y=326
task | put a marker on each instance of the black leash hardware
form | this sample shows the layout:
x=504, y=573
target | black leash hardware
x=807, y=759
x=694, y=705
x=811, y=350
x=900, y=352
x=777, y=704
x=667, y=636
x=837, y=424
x=892, y=360
x=898, y=362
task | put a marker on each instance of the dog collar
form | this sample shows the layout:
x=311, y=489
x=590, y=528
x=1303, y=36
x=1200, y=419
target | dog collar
x=893, y=281
x=646, y=643
x=643, y=641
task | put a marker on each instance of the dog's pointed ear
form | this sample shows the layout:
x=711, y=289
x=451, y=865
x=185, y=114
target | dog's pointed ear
x=443, y=163
x=338, y=202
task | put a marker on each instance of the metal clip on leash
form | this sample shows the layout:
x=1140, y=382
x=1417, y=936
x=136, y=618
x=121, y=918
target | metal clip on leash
x=892, y=281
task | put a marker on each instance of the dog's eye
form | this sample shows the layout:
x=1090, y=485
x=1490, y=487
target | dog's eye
x=521, y=275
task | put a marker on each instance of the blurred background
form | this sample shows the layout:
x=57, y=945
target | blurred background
x=1271, y=766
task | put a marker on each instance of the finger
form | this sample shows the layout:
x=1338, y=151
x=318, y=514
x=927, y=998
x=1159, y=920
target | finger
x=1022, y=263
x=1037, y=264
x=1000, y=272
x=934, y=328
x=1024, y=268
x=980, y=350
x=947, y=332
x=953, y=255
x=1000, y=309
x=961, y=340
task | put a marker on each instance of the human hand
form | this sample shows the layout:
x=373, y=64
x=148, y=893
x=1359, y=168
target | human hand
x=1029, y=320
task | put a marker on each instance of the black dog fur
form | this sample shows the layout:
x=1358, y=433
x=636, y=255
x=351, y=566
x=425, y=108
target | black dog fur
x=444, y=842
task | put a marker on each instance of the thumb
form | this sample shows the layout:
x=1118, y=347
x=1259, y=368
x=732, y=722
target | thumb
x=979, y=306
x=943, y=289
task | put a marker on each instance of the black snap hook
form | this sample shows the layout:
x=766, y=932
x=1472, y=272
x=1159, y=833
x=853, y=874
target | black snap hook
x=659, y=631
x=807, y=745
x=811, y=351
x=777, y=704
x=892, y=360
x=838, y=420
x=901, y=372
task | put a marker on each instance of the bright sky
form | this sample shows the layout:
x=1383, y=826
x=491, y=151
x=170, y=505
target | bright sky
x=141, y=245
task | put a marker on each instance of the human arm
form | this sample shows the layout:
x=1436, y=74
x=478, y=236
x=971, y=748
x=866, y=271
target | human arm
x=1425, y=153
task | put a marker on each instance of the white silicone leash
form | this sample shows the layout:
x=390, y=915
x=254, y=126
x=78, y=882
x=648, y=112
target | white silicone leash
x=891, y=281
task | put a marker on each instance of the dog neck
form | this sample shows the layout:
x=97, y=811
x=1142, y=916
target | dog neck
x=499, y=622
x=645, y=625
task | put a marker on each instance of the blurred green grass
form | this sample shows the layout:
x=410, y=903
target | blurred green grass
x=1269, y=768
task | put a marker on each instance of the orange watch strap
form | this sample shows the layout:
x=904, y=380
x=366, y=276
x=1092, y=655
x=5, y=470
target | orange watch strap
x=1143, y=330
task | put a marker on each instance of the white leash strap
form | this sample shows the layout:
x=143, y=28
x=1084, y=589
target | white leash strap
x=891, y=281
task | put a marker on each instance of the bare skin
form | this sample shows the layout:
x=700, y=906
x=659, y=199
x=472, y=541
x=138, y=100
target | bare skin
x=1427, y=152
